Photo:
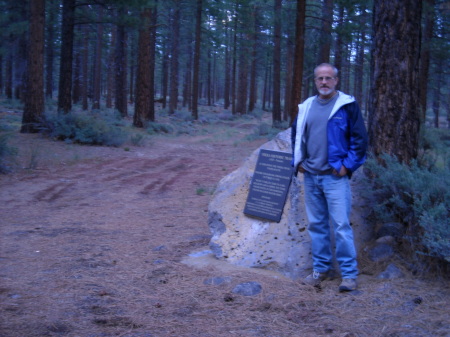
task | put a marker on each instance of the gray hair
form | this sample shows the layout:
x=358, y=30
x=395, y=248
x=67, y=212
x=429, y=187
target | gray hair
x=335, y=70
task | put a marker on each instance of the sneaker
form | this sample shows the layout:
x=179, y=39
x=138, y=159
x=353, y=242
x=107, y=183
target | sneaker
x=315, y=278
x=348, y=284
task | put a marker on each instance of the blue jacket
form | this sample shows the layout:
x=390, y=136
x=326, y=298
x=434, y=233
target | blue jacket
x=346, y=132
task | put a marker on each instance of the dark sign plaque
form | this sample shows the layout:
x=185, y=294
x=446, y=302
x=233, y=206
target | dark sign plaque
x=269, y=185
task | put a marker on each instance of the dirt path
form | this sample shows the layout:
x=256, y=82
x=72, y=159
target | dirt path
x=92, y=244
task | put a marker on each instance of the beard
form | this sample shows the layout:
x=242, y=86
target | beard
x=325, y=91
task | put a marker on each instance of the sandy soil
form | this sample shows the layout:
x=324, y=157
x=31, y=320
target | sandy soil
x=95, y=241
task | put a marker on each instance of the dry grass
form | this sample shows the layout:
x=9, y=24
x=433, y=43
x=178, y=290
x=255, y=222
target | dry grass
x=94, y=242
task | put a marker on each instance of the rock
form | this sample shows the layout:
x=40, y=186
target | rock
x=389, y=240
x=248, y=289
x=252, y=242
x=394, y=229
x=381, y=252
x=391, y=272
x=217, y=280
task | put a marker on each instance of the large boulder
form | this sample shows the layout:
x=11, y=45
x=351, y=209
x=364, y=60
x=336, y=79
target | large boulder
x=253, y=242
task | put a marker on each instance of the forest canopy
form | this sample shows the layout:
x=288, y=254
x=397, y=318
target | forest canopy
x=241, y=54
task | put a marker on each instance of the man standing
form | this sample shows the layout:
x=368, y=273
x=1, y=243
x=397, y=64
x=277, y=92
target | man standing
x=329, y=142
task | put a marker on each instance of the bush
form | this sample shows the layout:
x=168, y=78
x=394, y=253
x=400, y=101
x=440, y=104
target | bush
x=154, y=128
x=265, y=130
x=85, y=129
x=417, y=196
x=6, y=153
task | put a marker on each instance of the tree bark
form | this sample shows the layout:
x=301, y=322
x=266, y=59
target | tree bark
x=325, y=34
x=360, y=55
x=34, y=100
x=1, y=75
x=437, y=93
x=175, y=51
x=152, y=64
x=288, y=80
x=165, y=75
x=254, y=61
x=298, y=61
x=227, y=84
x=98, y=61
x=120, y=67
x=339, y=39
x=84, y=68
x=65, y=69
x=394, y=121
x=50, y=51
x=9, y=75
x=276, y=110
x=76, y=86
x=110, y=71
x=234, y=58
x=142, y=105
x=198, y=29
x=209, y=82
x=425, y=57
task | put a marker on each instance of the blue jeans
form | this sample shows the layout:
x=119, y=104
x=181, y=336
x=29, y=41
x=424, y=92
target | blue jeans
x=328, y=199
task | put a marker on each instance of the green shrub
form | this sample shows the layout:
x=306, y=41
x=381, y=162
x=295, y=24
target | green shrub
x=137, y=139
x=416, y=195
x=84, y=128
x=154, y=128
x=6, y=153
x=265, y=130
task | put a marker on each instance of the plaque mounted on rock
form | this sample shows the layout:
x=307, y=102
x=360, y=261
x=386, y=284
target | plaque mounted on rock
x=269, y=185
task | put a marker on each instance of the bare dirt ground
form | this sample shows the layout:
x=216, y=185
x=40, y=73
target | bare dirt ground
x=94, y=242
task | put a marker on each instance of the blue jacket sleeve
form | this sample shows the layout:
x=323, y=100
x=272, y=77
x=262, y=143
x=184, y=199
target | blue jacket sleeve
x=358, y=138
x=293, y=134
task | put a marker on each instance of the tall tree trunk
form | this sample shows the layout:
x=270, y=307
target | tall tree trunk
x=254, y=61
x=110, y=71
x=21, y=55
x=132, y=67
x=339, y=38
x=98, y=61
x=437, y=92
x=152, y=63
x=288, y=80
x=84, y=68
x=187, y=85
x=9, y=75
x=394, y=121
x=345, y=71
x=298, y=61
x=266, y=83
x=1, y=75
x=198, y=30
x=65, y=69
x=325, y=34
x=448, y=111
x=165, y=74
x=425, y=57
x=175, y=51
x=50, y=51
x=209, y=79
x=234, y=58
x=33, y=112
x=226, y=99
x=120, y=65
x=76, y=90
x=359, y=67
x=142, y=105
x=276, y=110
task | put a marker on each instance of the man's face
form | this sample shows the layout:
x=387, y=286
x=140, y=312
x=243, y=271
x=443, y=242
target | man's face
x=326, y=81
